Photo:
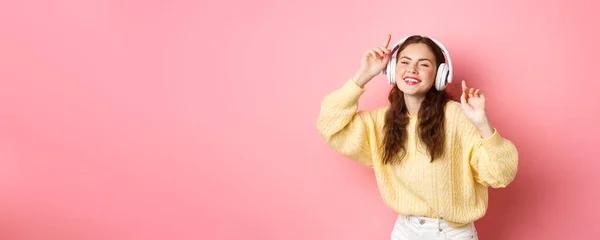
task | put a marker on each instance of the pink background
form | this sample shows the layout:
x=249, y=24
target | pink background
x=196, y=120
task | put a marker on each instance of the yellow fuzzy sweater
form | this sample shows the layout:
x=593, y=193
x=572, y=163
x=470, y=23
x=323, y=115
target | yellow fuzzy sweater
x=453, y=187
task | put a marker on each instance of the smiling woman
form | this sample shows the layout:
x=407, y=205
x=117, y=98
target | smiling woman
x=433, y=158
x=419, y=77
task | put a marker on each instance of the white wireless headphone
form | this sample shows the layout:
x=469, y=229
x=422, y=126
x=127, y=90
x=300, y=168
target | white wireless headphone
x=444, y=71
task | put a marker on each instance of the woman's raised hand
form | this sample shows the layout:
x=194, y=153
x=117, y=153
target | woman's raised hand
x=373, y=62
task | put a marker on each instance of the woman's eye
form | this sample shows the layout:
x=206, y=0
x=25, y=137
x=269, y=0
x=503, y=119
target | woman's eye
x=404, y=62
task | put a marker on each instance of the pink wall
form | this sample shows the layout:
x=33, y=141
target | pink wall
x=196, y=120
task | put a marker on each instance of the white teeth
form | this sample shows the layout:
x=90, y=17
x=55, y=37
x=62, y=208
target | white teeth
x=411, y=80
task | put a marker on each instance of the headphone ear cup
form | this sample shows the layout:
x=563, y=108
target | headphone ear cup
x=391, y=70
x=441, y=77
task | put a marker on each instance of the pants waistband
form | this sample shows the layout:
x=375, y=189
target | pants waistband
x=425, y=222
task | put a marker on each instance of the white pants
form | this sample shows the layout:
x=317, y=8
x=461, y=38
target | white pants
x=420, y=228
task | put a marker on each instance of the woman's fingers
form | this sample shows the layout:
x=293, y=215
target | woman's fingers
x=373, y=54
x=387, y=41
x=385, y=50
x=379, y=51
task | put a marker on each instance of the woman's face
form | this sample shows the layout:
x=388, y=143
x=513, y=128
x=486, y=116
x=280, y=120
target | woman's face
x=416, y=69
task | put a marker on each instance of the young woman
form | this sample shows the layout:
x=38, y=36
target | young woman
x=434, y=158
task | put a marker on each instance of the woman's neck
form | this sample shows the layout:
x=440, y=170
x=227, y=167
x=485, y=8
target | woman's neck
x=413, y=103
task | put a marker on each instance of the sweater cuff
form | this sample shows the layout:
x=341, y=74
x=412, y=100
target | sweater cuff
x=493, y=141
x=353, y=89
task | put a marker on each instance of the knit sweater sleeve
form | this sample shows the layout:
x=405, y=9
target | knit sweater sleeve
x=346, y=130
x=493, y=160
